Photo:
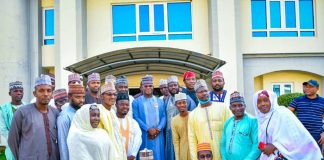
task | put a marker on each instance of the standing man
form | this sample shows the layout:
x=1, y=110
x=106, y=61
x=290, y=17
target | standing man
x=60, y=98
x=149, y=112
x=163, y=85
x=171, y=111
x=310, y=109
x=218, y=94
x=240, y=135
x=129, y=128
x=33, y=132
x=179, y=127
x=122, y=87
x=189, y=79
x=92, y=95
x=204, y=151
x=7, y=110
x=76, y=96
x=205, y=124
x=109, y=120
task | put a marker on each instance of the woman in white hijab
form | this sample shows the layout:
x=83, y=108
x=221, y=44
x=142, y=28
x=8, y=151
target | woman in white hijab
x=281, y=134
x=85, y=140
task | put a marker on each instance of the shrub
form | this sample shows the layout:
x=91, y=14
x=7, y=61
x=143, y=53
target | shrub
x=285, y=99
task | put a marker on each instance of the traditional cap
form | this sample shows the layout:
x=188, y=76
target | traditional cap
x=59, y=94
x=180, y=96
x=236, y=97
x=110, y=78
x=122, y=96
x=148, y=79
x=43, y=80
x=217, y=74
x=203, y=147
x=173, y=79
x=15, y=85
x=264, y=93
x=109, y=86
x=74, y=77
x=200, y=83
x=189, y=74
x=122, y=80
x=312, y=83
x=94, y=77
x=163, y=82
x=76, y=89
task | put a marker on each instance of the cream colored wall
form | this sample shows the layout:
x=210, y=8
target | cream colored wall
x=295, y=77
x=47, y=3
x=99, y=30
x=281, y=45
x=48, y=51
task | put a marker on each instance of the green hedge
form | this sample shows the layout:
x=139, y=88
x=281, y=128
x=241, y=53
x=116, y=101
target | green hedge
x=285, y=99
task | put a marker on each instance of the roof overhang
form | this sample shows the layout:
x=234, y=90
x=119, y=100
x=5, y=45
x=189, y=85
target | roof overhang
x=147, y=60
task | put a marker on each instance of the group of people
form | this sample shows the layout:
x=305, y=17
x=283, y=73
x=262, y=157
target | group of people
x=102, y=121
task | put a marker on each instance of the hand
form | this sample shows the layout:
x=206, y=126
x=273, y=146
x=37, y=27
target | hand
x=131, y=158
x=269, y=149
x=157, y=131
x=152, y=132
x=321, y=141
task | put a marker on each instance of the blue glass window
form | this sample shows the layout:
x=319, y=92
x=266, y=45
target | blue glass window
x=259, y=14
x=49, y=22
x=282, y=20
x=275, y=18
x=306, y=15
x=290, y=14
x=179, y=17
x=124, y=21
x=144, y=17
x=147, y=22
x=276, y=89
x=158, y=17
x=48, y=26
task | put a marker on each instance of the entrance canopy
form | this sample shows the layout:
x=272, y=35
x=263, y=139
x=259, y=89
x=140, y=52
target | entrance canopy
x=147, y=60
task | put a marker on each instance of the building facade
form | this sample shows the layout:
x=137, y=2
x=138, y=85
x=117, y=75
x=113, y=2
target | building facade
x=267, y=44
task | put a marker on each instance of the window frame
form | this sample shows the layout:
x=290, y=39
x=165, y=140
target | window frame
x=282, y=87
x=152, y=31
x=44, y=26
x=283, y=27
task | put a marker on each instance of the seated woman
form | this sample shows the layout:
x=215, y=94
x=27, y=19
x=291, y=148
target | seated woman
x=281, y=134
x=85, y=140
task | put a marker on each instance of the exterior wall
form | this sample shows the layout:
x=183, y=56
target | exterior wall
x=48, y=51
x=256, y=66
x=295, y=77
x=99, y=30
x=258, y=45
x=14, y=46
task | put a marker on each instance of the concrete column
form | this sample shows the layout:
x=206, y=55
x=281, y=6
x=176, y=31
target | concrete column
x=35, y=43
x=14, y=37
x=228, y=39
x=213, y=28
x=69, y=37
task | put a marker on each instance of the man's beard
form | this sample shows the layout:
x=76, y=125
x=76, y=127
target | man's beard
x=217, y=89
x=75, y=106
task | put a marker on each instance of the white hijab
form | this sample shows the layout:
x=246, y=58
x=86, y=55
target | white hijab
x=281, y=128
x=85, y=142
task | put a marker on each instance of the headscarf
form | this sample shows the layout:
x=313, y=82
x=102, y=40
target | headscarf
x=282, y=128
x=262, y=117
x=189, y=74
x=85, y=142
